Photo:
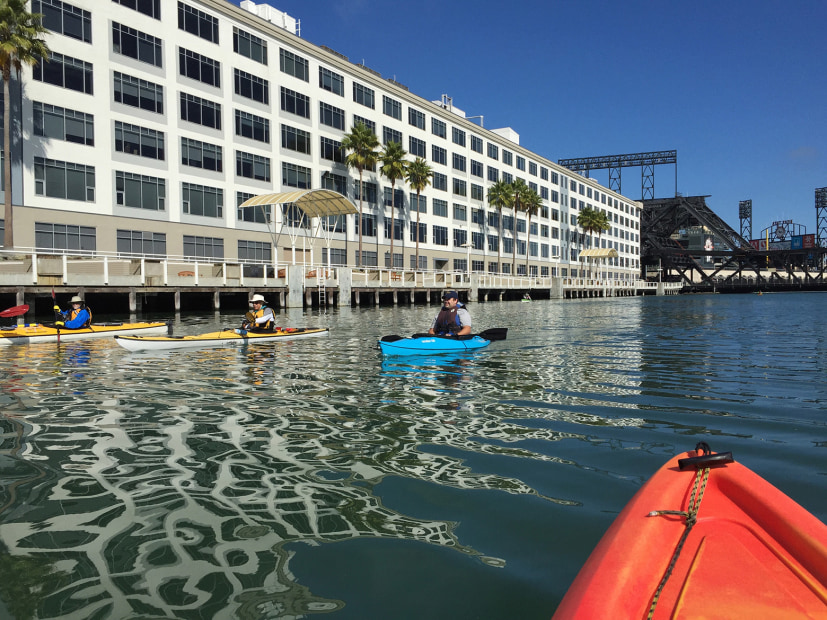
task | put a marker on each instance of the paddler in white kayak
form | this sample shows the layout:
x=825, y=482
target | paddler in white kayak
x=261, y=319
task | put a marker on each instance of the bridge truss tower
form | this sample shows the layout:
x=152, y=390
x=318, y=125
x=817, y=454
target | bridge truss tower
x=614, y=163
x=821, y=217
x=745, y=215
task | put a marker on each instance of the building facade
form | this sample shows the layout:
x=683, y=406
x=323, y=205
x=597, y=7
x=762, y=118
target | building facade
x=153, y=120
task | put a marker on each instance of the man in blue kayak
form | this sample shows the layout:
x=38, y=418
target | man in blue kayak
x=78, y=317
x=453, y=319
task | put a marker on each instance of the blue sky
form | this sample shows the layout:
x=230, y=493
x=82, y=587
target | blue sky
x=738, y=88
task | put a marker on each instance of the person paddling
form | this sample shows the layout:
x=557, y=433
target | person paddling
x=78, y=317
x=261, y=319
x=453, y=319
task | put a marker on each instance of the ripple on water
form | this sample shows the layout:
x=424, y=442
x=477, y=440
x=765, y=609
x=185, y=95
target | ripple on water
x=193, y=474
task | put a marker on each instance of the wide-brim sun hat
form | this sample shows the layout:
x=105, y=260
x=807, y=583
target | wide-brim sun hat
x=257, y=298
x=76, y=300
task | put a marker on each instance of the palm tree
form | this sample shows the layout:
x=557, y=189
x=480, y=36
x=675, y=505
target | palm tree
x=20, y=44
x=499, y=196
x=520, y=191
x=531, y=205
x=592, y=220
x=419, y=175
x=362, y=143
x=393, y=167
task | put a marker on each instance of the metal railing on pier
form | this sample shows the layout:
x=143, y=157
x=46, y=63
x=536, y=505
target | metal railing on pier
x=35, y=268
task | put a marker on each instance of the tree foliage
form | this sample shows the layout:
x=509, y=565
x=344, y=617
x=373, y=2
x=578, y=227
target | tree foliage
x=393, y=167
x=21, y=43
x=419, y=175
x=500, y=196
x=360, y=145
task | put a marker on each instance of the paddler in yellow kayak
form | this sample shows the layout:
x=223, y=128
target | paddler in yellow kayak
x=77, y=318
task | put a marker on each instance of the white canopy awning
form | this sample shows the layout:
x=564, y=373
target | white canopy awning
x=314, y=202
x=599, y=253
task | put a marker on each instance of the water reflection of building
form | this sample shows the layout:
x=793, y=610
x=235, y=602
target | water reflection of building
x=177, y=483
x=189, y=506
x=588, y=345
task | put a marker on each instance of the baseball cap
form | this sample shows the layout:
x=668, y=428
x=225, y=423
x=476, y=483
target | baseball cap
x=450, y=294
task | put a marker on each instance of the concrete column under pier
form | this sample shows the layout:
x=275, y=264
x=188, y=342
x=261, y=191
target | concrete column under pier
x=556, y=290
x=295, y=290
x=177, y=297
x=474, y=290
x=345, y=285
x=29, y=300
x=216, y=300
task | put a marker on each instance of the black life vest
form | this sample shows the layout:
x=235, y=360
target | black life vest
x=447, y=321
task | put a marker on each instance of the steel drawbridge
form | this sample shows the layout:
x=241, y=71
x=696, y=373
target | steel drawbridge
x=733, y=263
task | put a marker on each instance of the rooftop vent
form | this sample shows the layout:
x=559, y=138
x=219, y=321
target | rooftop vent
x=274, y=16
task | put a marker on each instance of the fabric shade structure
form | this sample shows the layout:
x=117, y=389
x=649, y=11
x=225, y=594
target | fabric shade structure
x=313, y=202
x=599, y=253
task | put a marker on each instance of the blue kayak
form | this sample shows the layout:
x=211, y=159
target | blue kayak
x=423, y=344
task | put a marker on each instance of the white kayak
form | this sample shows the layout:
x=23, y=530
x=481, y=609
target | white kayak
x=223, y=338
x=37, y=333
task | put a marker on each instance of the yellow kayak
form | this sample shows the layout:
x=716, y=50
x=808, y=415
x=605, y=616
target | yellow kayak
x=226, y=337
x=37, y=333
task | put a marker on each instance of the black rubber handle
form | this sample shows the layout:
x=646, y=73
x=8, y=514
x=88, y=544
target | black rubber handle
x=706, y=460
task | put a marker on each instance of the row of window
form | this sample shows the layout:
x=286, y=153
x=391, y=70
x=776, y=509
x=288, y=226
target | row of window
x=78, y=127
x=137, y=242
x=146, y=47
x=145, y=95
x=55, y=122
x=139, y=93
x=73, y=181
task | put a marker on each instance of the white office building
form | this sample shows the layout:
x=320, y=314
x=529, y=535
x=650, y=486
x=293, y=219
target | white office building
x=154, y=119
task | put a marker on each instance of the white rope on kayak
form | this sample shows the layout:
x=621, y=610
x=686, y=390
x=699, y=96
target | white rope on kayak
x=691, y=515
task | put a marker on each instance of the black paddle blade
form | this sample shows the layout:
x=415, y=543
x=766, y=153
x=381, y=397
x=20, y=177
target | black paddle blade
x=391, y=338
x=495, y=333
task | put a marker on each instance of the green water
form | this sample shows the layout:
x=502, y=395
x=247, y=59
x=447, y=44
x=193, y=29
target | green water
x=292, y=479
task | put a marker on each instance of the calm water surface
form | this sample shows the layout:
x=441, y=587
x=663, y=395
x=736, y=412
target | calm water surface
x=287, y=480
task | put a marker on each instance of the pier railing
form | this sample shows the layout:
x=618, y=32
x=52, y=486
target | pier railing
x=33, y=267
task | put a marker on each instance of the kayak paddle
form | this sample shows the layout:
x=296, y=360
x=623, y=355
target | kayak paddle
x=495, y=333
x=57, y=315
x=15, y=311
